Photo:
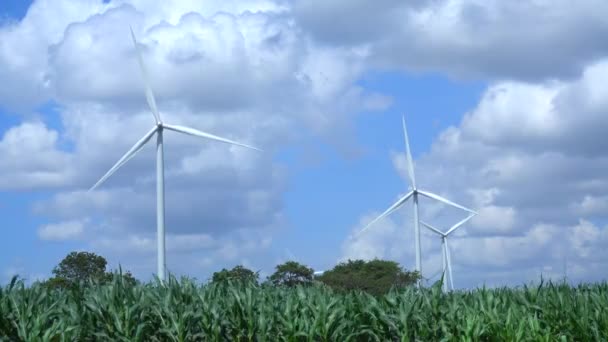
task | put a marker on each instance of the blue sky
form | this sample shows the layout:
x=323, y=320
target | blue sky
x=15, y=9
x=370, y=180
x=490, y=127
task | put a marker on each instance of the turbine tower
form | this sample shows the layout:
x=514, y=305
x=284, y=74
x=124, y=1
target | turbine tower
x=446, y=261
x=414, y=193
x=158, y=129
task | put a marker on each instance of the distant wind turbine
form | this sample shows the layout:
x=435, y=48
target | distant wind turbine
x=414, y=194
x=445, y=251
x=158, y=129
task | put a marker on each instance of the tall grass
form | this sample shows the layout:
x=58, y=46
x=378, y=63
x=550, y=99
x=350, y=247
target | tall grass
x=184, y=311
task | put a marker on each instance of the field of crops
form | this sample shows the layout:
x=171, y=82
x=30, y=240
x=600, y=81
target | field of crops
x=184, y=311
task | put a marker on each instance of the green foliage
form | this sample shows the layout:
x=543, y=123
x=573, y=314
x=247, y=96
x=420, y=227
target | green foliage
x=292, y=274
x=376, y=277
x=84, y=268
x=81, y=266
x=184, y=311
x=238, y=273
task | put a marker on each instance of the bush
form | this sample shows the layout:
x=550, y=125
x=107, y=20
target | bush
x=238, y=274
x=375, y=277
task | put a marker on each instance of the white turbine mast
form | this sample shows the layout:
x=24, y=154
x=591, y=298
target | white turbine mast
x=446, y=260
x=414, y=194
x=158, y=129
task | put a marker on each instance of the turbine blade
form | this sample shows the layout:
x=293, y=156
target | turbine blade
x=444, y=200
x=410, y=164
x=138, y=146
x=454, y=227
x=149, y=95
x=432, y=228
x=195, y=132
x=388, y=211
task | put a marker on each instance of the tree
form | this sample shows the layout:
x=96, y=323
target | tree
x=79, y=267
x=376, y=277
x=238, y=273
x=291, y=274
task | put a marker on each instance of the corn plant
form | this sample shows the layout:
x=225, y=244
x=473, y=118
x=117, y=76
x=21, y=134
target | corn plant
x=182, y=310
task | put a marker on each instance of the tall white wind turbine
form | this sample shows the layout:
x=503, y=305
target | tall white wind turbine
x=158, y=129
x=446, y=261
x=414, y=192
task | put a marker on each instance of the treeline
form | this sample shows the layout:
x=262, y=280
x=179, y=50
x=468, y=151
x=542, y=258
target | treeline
x=376, y=277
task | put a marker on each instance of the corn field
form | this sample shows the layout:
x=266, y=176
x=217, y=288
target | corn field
x=181, y=310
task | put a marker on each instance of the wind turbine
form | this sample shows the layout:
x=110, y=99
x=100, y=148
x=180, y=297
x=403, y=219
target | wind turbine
x=414, y=192
x=158, y=129
x=445, y=251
